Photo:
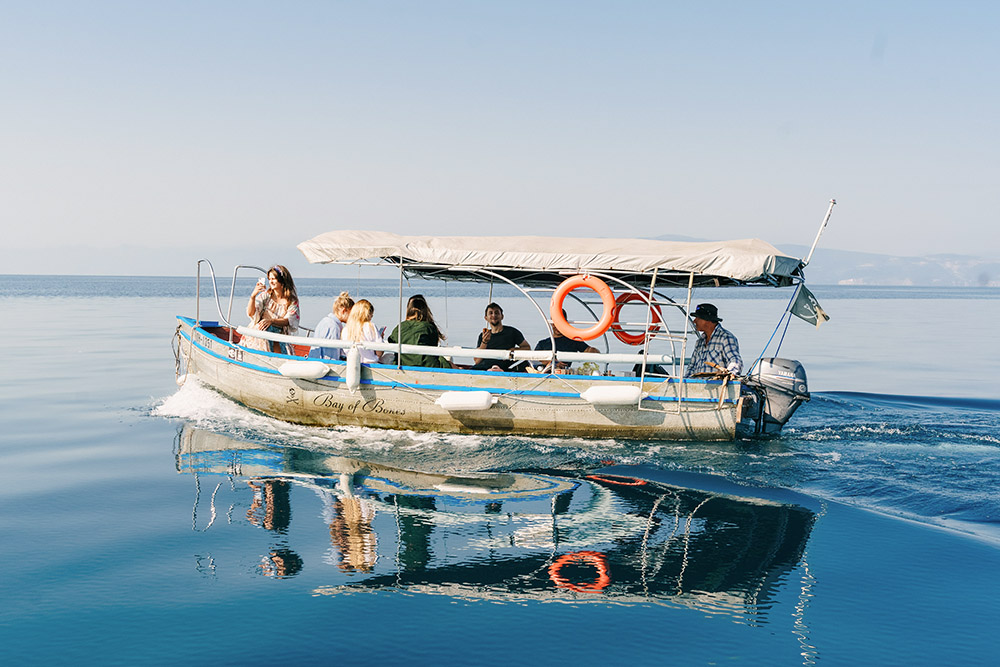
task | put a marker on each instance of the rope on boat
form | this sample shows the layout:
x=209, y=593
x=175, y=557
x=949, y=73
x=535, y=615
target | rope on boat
x=506, y=394
x=510, y=392
x=786, y=317
x=177, y=349
x=375, y=371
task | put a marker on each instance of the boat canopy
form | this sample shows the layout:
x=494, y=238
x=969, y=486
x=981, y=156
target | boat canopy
x=545, y=260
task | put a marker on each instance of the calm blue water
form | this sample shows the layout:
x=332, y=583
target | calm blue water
x=146, y=524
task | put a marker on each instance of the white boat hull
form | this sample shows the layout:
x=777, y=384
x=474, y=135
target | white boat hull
x=408, y=398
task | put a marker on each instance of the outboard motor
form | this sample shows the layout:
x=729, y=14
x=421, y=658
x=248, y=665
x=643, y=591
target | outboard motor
x=773, y=392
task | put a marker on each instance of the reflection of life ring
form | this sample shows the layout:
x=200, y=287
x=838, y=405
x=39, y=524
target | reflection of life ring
x=617, y=479
x=593, y=558
x=567, y=286
x=639, y=338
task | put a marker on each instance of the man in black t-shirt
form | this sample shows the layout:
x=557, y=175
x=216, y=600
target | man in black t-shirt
x=563, y=344
x=498, y=337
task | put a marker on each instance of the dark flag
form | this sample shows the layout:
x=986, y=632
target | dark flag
x=807, y=307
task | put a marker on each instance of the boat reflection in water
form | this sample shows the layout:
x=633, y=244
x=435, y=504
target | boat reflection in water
x=619, y=535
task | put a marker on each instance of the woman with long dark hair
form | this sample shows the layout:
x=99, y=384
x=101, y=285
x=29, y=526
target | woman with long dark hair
x=419, y=328
x=273, y=306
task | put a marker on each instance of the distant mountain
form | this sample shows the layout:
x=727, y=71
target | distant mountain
x=845, y=267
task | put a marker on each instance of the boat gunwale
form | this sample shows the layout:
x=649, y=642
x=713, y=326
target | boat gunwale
x=334, y=378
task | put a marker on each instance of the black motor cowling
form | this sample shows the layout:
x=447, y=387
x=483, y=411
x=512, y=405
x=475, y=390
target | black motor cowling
x=773, y=392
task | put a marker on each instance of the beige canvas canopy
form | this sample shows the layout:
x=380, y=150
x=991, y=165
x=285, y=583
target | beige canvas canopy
x=547, y=260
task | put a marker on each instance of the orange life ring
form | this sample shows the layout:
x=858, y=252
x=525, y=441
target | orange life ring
x=567, y=286
x=639, y=338
x=593, y=558
x=610, y=479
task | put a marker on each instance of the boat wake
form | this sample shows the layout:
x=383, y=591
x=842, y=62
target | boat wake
x=891, y=400
x=931, y=459
x=888, y=420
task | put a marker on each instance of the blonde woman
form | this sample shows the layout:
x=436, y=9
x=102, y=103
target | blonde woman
x=273, y=307
x=359, y=328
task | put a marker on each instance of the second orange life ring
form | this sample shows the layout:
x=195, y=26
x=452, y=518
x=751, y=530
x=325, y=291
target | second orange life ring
x=639, y=338
x=567, y=286
x=592, y=558
x=616, y=479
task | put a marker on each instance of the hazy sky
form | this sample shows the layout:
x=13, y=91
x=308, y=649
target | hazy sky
x=204, y=124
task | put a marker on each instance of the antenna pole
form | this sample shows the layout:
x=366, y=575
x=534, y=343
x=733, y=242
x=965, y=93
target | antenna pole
x=829, y=211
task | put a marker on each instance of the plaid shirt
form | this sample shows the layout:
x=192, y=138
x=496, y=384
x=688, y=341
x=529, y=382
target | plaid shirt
x=723, y=349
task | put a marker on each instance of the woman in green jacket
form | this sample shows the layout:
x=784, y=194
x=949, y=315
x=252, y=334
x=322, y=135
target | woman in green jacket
x=419, y=328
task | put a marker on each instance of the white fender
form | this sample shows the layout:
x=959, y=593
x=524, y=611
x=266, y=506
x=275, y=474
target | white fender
x=457, y=488
x=309, y=370
x=627, y=395
x=466, y=400
x=352, y=370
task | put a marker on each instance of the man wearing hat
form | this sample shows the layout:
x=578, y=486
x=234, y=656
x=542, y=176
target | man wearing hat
x=715, y=344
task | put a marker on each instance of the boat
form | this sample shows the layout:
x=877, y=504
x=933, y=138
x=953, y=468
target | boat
x=624, y=399
x=614, y=535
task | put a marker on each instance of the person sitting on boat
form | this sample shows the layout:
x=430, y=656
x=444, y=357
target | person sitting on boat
x=499, y=337
x=419, y=328
x=275, y=308
x=651, y=369
x=359, y=328
x=563, y=344
x=716, y=348
x=331, y=327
